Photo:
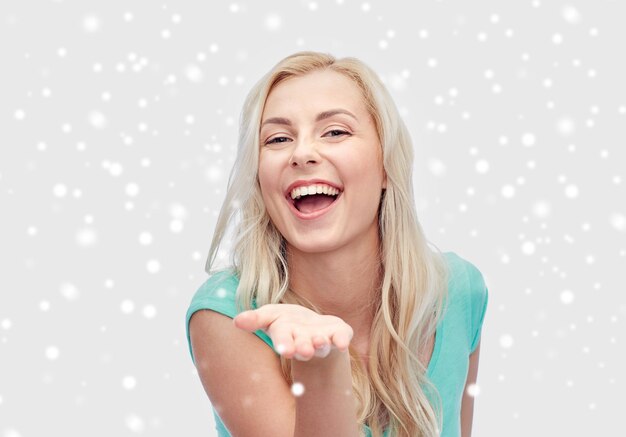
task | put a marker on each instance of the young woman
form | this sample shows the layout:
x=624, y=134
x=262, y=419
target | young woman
x=336, y=317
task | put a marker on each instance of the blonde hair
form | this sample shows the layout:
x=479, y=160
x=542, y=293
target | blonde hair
x=414, y=280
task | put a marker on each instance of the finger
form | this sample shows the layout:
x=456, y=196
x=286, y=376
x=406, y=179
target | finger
x=341, y=340
x=320, y=341
x=304, y=350
x=323, y=351
x=247, y=320
x=253, y=320
x=283, y=344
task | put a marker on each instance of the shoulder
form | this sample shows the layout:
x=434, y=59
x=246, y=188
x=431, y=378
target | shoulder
x=468, y=290
x=464, y=277
x=217, y=292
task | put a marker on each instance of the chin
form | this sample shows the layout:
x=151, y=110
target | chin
x=312, y=245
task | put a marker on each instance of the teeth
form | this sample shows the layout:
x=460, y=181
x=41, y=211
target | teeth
x=314, y=189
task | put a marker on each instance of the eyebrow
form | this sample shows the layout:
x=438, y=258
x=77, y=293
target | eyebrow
x=321, y=116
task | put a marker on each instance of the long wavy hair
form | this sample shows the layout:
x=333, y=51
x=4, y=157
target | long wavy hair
x=397, y=394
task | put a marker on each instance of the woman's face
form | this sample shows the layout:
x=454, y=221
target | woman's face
x=316, y=136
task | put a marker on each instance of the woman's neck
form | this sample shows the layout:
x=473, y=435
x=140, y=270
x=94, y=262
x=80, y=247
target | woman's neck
x=344, y=283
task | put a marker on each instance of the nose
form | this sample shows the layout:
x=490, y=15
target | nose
x=304, y=154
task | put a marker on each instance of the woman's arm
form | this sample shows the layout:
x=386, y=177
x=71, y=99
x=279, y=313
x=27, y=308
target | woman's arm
x=467, y=405
x=328, y=405
x=318, y=347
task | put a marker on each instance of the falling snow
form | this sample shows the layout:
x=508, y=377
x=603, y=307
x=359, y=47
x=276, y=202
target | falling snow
x=119, y=129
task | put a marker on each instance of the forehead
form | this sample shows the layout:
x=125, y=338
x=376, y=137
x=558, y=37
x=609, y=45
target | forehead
x=318, y=90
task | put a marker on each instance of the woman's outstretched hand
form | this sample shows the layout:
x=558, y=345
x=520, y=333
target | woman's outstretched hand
x=297, y=332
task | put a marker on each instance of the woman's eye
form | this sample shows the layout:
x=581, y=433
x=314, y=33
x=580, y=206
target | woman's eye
x=274, y=140
x=338, y=132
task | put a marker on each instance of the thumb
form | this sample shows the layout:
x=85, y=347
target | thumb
x=248, y=321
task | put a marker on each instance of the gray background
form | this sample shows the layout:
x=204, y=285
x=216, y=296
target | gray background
x=118, y=124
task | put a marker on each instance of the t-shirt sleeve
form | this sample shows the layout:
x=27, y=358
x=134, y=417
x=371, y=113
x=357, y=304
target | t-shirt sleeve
x=218, y=293
x=479, y=297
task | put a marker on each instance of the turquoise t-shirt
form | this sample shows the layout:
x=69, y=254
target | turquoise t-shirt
x=456, y=337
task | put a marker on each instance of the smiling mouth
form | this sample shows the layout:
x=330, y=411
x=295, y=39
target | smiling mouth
x=313, y=202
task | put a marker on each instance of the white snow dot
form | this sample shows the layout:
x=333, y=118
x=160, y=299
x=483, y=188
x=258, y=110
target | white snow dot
x=213, y=48
x=565, y=126
x=194, y=73
x=91, y=24
x=115, y=168
x=129, y=382
x=571, y=191
x=297, y=389
x=528, y=139
x=86, y=237
x=506, y=341
x=128, y=17
x=473, y=390
x=19, y=114
x=482, y=166
x=557, y=38
x=176, y=18
x=176, y=226
x=11, y=433
x=166, y=34
x=221, y=293
x=69, y=291
x=618, y=221
x=127, y=306
x=62, y=52
x=507, y=191
x=132, y=189
x=145, y=238
x=528, y=248
x=153, y=266
x=97, y=119
x=6, y=324
x=44, y=306
x=273, y=22
x=59, y=190
x=432, y=62
x=567, y=297
x=135, y=423
x=423, y=33
x=149, y=312
x=436, y=167
x=570, y=14
x=178, y=211
x=541, y=209
x=52, y=353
